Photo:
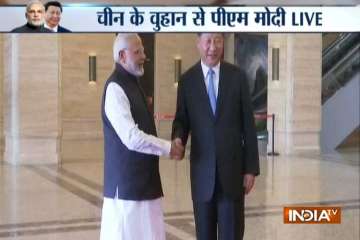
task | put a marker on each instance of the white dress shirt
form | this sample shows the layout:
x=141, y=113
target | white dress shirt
x=216, y=70
x=127, y=219
x=54, y=29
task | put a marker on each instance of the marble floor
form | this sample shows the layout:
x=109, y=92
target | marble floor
x=64, y=202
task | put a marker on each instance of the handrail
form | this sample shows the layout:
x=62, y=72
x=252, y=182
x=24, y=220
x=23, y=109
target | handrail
x=338, y=49
x=353, y=54
x=339, y=39
x=341, y=72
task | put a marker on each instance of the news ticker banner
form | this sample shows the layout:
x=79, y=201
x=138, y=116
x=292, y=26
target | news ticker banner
x=96, y=18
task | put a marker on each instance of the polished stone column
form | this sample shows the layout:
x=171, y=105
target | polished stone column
x=31, y=98
x=1, y=99
x=296, y=97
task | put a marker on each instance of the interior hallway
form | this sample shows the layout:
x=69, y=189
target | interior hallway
x=50, y=202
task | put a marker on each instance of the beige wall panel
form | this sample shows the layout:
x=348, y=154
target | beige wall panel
x=296, y=97
x=6, y=75
x=167, y=47
x=38, y=74
x=81, y=99
x=307, y=97
x=1, y=98
x=31, y=104
x=82, y=137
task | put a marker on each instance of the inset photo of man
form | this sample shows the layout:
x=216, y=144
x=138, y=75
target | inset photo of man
x=53, y=11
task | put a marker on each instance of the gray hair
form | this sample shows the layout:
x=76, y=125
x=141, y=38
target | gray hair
x=201, y=33
x=121, y=42
x=32, y=2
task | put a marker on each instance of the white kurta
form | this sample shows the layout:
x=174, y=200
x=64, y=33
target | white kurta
x=126, y=219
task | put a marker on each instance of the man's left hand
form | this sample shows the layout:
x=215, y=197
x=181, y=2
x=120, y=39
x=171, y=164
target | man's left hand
x=249, y=181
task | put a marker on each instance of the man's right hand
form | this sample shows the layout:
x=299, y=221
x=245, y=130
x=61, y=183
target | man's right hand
x=177, y=150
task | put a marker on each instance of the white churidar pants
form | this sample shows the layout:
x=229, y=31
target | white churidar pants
x=132, y=220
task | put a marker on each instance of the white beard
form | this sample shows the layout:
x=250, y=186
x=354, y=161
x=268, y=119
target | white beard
x=37, y=23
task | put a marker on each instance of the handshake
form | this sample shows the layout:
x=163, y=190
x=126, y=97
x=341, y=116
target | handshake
x=177, y=150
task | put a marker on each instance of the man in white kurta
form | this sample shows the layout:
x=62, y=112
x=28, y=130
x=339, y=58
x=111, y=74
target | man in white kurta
x=124, y=219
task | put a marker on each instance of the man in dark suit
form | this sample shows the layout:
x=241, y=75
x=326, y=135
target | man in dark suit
x=35, y=19
x=213, y=104
x=53, y=11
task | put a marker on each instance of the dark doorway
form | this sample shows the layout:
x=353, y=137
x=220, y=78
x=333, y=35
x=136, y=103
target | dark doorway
x=251, y=51
x=251, y=57
x=147, y=81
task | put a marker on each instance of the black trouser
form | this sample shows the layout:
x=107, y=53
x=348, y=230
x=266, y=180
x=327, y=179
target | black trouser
x=220, y=217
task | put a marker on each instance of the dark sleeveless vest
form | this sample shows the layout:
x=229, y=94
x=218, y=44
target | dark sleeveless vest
x=134, y=174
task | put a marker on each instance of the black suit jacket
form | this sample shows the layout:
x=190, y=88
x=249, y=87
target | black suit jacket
x=63, y=30
x=224, y=145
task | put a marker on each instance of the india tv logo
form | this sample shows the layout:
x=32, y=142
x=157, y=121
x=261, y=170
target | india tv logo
x=312, y=215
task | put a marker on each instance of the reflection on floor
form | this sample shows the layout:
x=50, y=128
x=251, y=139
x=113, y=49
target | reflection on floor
x=51, y=202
